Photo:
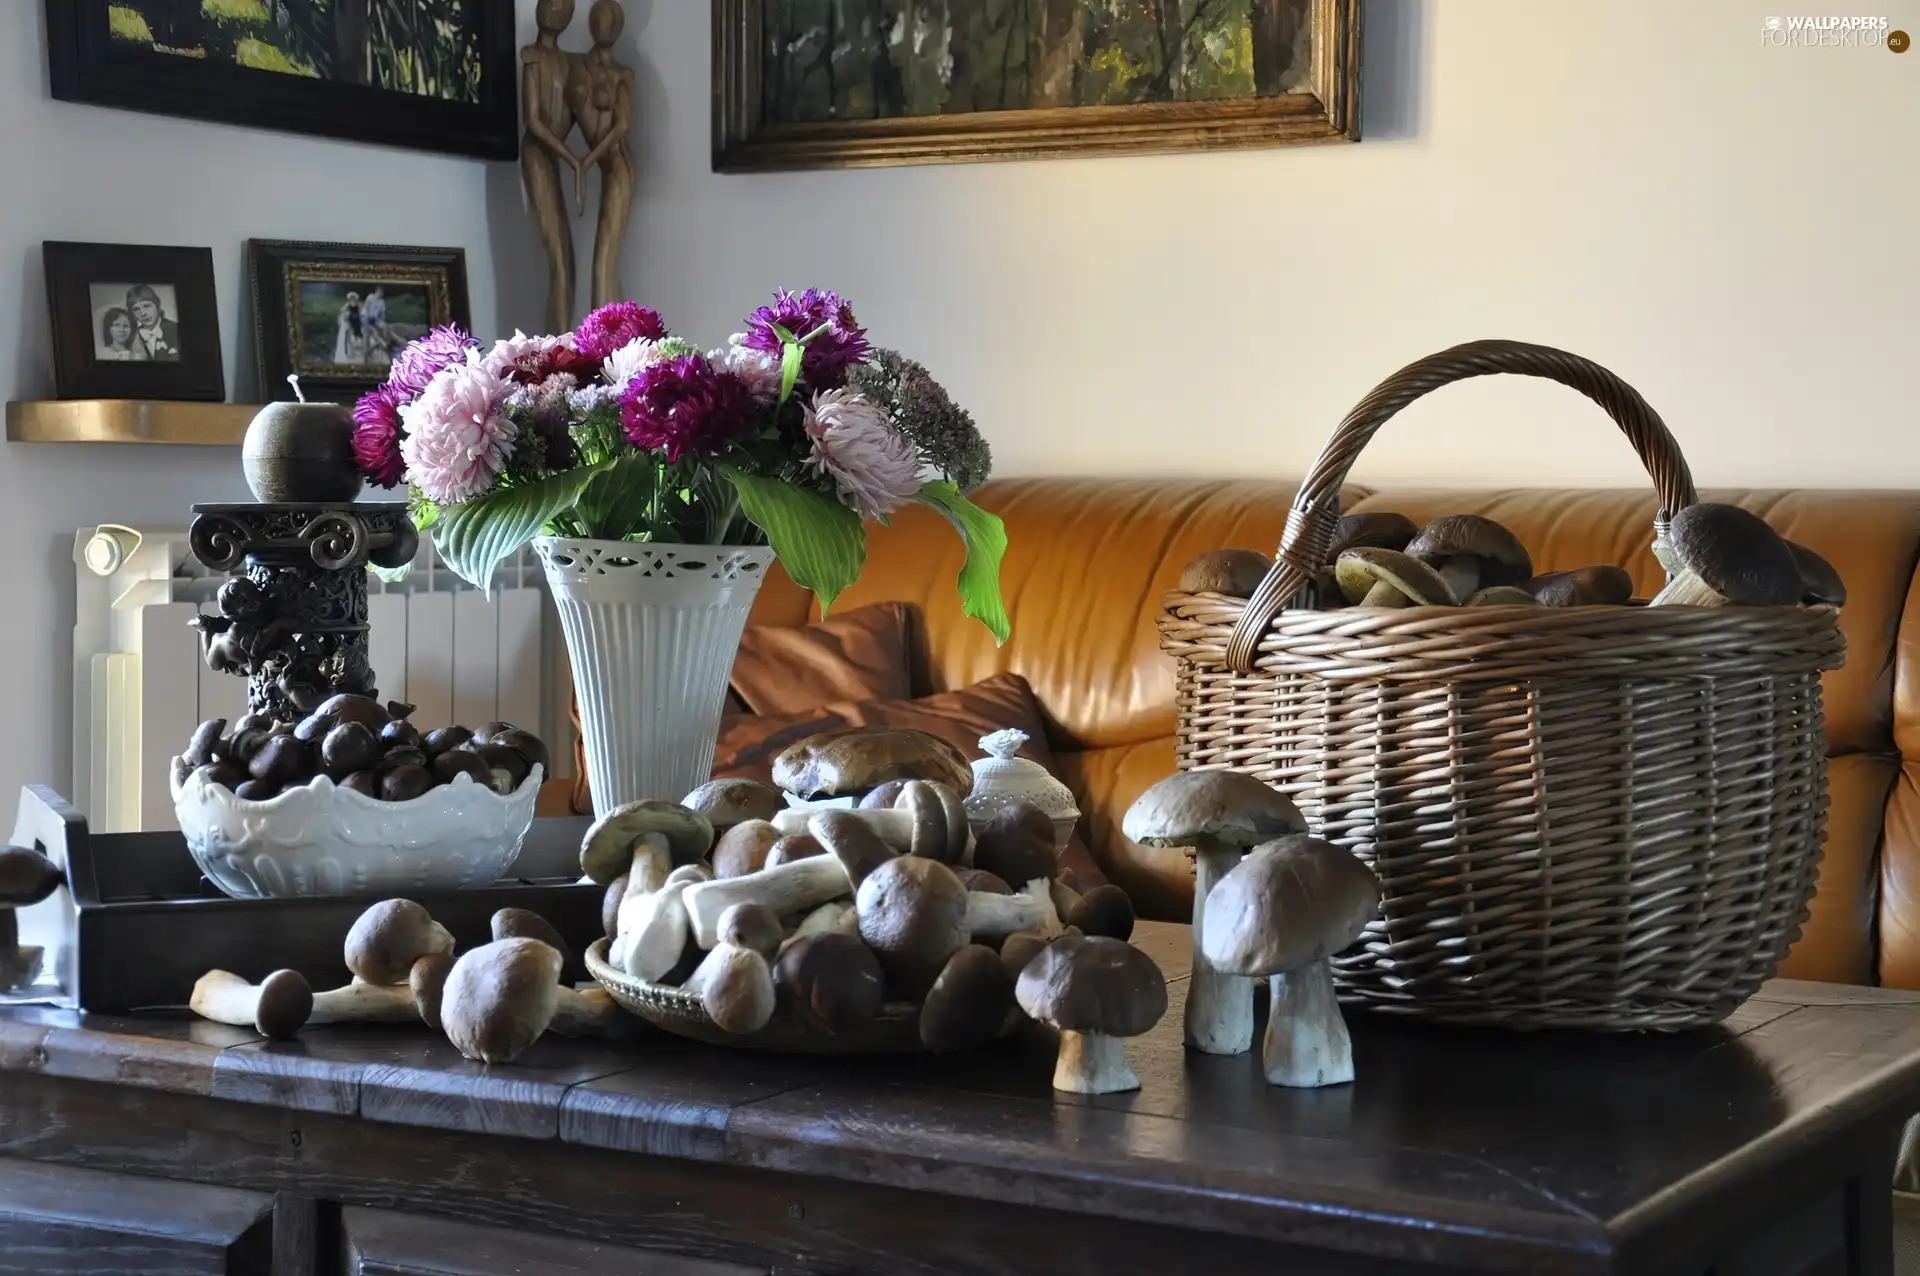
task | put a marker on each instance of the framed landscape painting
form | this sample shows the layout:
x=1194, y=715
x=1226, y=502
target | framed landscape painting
x=434, y=74
x=850, y=83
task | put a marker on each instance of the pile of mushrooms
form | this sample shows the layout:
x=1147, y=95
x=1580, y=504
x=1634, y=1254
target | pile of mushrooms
x=362, y=745
x=1715, y=555
x=492, y=1002
x=825, y=914
x=1269, y=902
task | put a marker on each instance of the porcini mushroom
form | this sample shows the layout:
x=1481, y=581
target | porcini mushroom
x=1233, y=572
x=913, y=914
x=848, y=763
x=26, y=878
x=1471, y=552
x=614, y=841
x=389, y=937
x=940, y=830
x=734, y=981
x=1105, y=910
x=1381, y=529
x=1096, y=991
x=1389, y=578
x=1728, y=555
x=969, y=1002
x=277, y=1007
x=854, y=849
x=227, y=998
x=728, y=802
x=653, y=929
x=1602, y=585
x=522, y=923
x=500, y=997
x=1288, y=907
x=1502, y=596
x=1015, y=844
x=743, y=848
x=1820, y=584
x=1217, y=816
x=830, y=980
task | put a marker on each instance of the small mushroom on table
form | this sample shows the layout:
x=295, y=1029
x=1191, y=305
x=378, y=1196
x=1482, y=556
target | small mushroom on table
x=389, y=937
x=1096, y=991
x=277, y=1007
x=1216, y=816
x=1471, y=552
x=1726, y=555
x=499, y=999
x=26, y=878
x=1286, y=909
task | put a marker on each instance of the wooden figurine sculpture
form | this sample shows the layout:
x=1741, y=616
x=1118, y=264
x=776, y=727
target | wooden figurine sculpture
x=600, y=93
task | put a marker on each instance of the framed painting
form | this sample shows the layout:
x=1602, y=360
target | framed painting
x=336, y=314
x=133, y=321
x=857, y=83
x=438, y=75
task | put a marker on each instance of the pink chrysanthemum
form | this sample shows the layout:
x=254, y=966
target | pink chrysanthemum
x=416, y=365
x=685, y=406
x=758, y=368
x=376, y=436
x=614, y=325
x=458, y=434
x=875, y=469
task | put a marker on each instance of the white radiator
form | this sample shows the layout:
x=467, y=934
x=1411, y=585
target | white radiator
x=140, y=686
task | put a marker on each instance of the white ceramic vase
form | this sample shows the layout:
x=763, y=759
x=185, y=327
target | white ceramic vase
x=652, y=631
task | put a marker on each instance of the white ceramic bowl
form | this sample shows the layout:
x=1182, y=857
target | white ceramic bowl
x=320, y=839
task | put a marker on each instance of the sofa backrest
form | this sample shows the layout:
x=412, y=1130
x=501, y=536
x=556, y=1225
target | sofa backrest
x=1090, y=558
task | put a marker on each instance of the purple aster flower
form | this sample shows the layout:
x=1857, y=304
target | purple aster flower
x=839, y=342
x=613, y=326
x=416, y=365
x=685, y=405
x=376, y=436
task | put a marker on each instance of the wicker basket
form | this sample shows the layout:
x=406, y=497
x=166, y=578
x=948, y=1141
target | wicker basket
x=1592, y=817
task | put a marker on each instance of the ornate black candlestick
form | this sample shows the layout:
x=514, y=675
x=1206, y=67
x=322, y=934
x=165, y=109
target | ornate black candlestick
x=294, y=618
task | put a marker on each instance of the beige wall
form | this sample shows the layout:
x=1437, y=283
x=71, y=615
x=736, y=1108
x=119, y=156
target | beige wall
x=1734, y=229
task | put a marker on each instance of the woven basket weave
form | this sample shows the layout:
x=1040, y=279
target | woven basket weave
x=1593, y=817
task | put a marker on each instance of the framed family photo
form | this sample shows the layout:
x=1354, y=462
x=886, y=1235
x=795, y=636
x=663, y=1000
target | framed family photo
x=133, y=322
x=855, y=83
x=336, y=314
x=439, y=75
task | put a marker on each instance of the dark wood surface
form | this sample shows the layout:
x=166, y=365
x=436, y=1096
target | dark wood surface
x=1454, y=1149
x=58, y=1219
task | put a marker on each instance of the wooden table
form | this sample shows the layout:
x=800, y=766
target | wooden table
x=1764, y=1146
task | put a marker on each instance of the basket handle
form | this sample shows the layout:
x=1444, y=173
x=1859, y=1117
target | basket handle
x=1311, y=520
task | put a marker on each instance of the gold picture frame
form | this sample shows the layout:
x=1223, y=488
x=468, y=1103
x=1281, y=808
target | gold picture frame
x=1326, y=109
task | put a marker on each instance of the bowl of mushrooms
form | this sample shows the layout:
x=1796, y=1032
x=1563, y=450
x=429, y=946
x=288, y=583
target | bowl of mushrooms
x=354, y=799
x=888, y=925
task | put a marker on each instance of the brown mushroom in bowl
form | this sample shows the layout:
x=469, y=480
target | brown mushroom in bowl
x=728, y=802
x=1369, y=529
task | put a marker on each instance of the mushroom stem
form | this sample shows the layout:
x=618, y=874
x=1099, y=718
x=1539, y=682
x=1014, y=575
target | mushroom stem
x=18, y=966
x=361, y=1002
x=1385, y=595
x=1687, y=590
x=1462, y=574
x=1307, y=1044
x=836, y=915
x=997, y=916
x=584, y=1014
x=1219, y=1017
x=653, y=933
x=894, y=826
x=225, y=998
x=792, y=887
x=1093, y=1063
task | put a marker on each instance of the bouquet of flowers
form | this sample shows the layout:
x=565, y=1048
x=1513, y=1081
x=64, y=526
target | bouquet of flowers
x=791, y=435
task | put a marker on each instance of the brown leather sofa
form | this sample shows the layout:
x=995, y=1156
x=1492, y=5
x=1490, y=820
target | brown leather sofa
x=1090, y=559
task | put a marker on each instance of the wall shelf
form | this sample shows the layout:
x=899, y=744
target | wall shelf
x=127, y=421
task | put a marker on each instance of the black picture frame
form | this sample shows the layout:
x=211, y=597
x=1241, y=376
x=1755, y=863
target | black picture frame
x=87, y=65
x=277, y=269
x=182, y=276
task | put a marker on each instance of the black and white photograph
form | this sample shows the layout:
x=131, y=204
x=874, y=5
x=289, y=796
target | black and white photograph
x=336, y=314
x=133, y=321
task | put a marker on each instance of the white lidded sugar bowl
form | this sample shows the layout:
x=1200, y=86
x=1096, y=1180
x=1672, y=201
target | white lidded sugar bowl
x=1003, y=779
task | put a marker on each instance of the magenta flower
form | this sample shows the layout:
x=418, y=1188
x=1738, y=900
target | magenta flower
x=416, y=365
x=614, y=325
x=838, y=343
x=376, y=436
x=685, y=405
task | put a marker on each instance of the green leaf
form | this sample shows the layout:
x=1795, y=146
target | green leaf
x=474, y=537
x=820, y=542
x=986, y=539
x=613, y=504
x=391, y=575
x=790, y=354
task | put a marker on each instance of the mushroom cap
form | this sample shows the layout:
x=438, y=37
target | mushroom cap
x=882, y=797
x=1104, y=910
x=913, y=914
x=794, y=846
x=1359, y=570
x=848, y=838
x=1601, y=585
x=752, y=926
x=1819, y=582
x=934, y=835
x=500, y=997
x=1736, y=555
x=842, y=763
x=1503, y=559
x=427, y=981
x=831, y=980
x=1015, y=844
x=968, y=1003
x=1233, y=572
x=389, y=937
x=524, y=923
x=1292, y=902
x=1018, y=949
x=1502, y=596
x=26, y=877
x=1211, y=809
x=610, y=906
x=607, y=849
x=1381, y=529
x=739, y=998
x=1089, y=983
x=743, y=848
x=979, y=881
x=284, y=1006
x=726, y=803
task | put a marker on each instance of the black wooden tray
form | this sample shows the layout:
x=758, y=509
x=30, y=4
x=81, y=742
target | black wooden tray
x=148, y=923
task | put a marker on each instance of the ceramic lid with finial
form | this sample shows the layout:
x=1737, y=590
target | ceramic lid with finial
x=1003, y=778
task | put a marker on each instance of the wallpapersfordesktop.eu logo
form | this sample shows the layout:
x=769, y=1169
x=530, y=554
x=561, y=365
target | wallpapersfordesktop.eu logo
x=1828, y=32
